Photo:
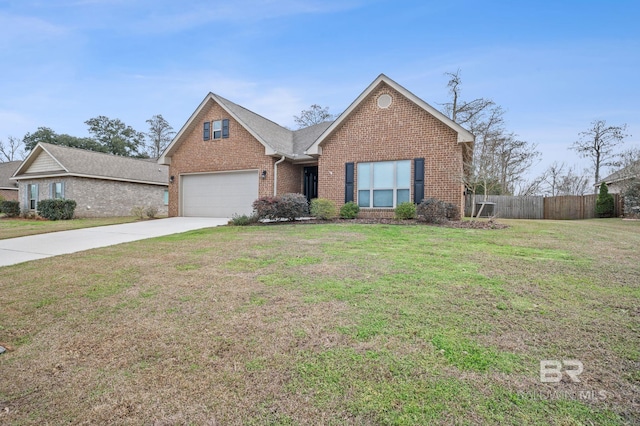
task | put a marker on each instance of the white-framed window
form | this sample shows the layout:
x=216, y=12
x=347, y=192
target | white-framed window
x=384, y=184
x=32, y=196
x=165, y=197
x=57, y=190
x=217, y=129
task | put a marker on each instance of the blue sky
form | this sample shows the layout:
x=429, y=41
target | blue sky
x=553, y=65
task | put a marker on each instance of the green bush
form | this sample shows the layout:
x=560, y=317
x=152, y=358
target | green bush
x=405, y=211
x=632, y=200
x=10, y=208
x=242, y=220
x=57, y=209
x=323, y=209
x=604, y=202
x=349, y=211
x=432, y=210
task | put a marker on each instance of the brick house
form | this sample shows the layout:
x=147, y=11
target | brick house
x=389, y=146
x=102, y=185
x=8, y=189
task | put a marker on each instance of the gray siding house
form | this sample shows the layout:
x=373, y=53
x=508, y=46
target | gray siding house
x=8, y=189
x=101, y=184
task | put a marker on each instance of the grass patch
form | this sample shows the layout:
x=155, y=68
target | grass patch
x=331, y=324
x=16, y=227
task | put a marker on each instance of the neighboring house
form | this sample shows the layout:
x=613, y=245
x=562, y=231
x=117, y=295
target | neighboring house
x=618, y=181
x=8, y=189
x=101, y=184
x=389, y=146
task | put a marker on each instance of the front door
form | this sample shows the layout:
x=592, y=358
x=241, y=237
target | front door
x=311, y=182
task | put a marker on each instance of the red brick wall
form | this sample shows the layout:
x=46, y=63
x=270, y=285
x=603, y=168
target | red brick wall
x=289, y=178
x=241, y=151
x=403, y=131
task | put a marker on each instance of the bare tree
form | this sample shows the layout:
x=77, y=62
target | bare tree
x=314, y=115
x=552, y=177
x=11, y=150
x=573, y=183
x=598, y=144
x=160, y=134
x=497, y=160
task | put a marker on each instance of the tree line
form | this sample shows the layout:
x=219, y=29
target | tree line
x=108, y=135
x=496, y=164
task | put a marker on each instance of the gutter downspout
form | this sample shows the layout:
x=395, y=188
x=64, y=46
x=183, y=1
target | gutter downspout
x=275, y=175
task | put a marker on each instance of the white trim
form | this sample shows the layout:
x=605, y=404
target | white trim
x=165, y=158
x=9, y=188
x=464, y=135
x=35, y=152
x=27, y=177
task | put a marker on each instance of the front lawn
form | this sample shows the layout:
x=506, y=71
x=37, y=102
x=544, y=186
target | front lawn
x=18, y=227
x=329, y=324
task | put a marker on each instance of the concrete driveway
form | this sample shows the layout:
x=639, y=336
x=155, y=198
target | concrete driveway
x=32, y=247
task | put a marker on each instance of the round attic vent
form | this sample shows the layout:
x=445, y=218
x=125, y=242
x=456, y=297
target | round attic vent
x=384, y=101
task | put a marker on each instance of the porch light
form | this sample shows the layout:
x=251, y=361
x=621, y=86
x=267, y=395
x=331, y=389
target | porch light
x=264, y=174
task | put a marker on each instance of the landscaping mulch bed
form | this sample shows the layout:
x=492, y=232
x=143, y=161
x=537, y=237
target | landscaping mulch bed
x=460, y=224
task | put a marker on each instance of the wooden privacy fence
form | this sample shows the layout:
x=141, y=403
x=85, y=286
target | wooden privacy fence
x=538, y=207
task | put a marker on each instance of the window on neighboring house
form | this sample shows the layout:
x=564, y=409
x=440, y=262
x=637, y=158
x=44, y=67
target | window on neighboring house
x=165, y=197
x=383, y=184
x=206, y=131
x=32, y=195
x=57, y=190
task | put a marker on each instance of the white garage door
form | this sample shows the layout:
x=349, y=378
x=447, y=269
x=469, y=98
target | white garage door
x=219, y=194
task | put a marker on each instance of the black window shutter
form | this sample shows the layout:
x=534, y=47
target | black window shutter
x=206, y=133
x=418, y=180
x=348, y=182
x=225, y=128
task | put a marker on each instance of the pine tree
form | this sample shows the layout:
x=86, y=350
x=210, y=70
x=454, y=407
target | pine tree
x=604, y=202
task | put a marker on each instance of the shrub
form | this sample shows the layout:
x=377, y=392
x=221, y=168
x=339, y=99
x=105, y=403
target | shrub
x=604, y=202
x=138, y=211
x=632, y=200
x=57, y=209
x=266, y=208
x=292, y=206
x=242, y=220
x=323, y=209
x=432, y=210
x=288, y=206
x=405, y=211
x=151, y=212
x=10, y=208
x=349, y=211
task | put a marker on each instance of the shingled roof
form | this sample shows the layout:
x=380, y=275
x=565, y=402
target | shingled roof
x=6, y=171
x=628, y=172
x=83, y=163
x=300, y=144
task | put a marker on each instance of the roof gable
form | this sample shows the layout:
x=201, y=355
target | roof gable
x=42, y=161
x=6, y=171
x=299, y=144
x=464, y=136
x=276, y=139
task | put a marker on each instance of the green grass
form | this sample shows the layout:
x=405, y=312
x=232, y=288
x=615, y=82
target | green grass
x=16, y=227
x=329, y=324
